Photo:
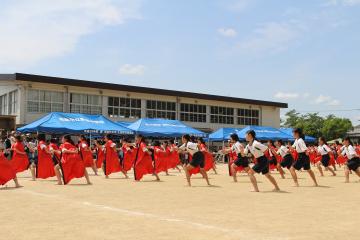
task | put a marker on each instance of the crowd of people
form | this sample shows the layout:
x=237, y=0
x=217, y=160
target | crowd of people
x=67, y=159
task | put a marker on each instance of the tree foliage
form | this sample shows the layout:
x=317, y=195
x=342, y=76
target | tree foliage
x=330, y=127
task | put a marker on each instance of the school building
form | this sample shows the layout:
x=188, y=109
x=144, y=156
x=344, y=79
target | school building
x=29, y=97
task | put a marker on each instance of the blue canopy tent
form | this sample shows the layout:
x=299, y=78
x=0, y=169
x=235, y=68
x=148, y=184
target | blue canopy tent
x=265, y=133
x=75, y=123
x=223, y=134
x=125, y=124
x=163, y=128
x=289, y=131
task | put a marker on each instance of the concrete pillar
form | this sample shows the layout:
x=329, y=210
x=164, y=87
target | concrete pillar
x=143, y=108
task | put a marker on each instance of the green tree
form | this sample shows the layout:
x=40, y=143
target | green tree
x=330, y=127
x=335, y=127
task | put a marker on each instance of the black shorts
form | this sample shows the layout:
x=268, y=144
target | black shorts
x=262, y=165
x=241, y=161
x=198, y=160
x=287, y=162
x=273, y=161
x=353, y=164
x=303, y=162
x=325, y=160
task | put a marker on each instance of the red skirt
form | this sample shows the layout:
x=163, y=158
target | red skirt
x=87, y=158
x=160, y=163
x=7, y=173
x=45, y=167
x=19, y=163
x=142, y=167
x=72, y=167
x=112, y=164
x=129, y=159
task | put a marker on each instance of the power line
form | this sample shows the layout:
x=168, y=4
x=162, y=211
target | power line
x=335, y=110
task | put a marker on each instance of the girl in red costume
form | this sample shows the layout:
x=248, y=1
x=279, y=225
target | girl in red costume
x=71, y=164
x=209, y=159
x=275, y=160
x=143, y=161
x=129, y=155
x=19, y=160
x=174, y=159
x=100, y=153
x=7, y=173
x=160, y=159
x=86, y=154
x=112, y=161
x=55, y=152
x=45, y=165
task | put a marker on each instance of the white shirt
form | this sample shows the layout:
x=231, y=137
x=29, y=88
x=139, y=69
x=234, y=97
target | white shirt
x=42, y=146
x=256, y=149
x=83, y=145
x=324, y=149
x=349, y=152
x=236, y=147
x=283, y=151
x=299, y=145
x=190, y=147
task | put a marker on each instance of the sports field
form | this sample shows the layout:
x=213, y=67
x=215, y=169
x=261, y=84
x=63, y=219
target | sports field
x=118, y=208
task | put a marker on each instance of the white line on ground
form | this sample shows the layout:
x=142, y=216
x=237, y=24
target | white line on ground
x=187, y=223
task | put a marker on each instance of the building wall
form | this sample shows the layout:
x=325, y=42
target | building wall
x=269, y=116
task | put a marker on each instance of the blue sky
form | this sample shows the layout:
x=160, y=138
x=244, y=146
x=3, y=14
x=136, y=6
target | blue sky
x=306, y=53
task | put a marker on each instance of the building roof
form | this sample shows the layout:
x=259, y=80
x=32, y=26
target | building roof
x=128, y=88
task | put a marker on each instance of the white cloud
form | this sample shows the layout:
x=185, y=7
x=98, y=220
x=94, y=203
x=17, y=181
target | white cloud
x=348, y=3
x=227, y=32
x=33, y=31
x=327, y=100
x=286, y=96
x=271, y=37
x=128, y=69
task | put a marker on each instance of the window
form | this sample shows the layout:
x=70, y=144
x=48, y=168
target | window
x=124, y=107
x=40, y=101
x=223, y=115
x=84, y=103
x=160, y=109
x=248, y=117
x=3, y=104
x=192, y=112
x=13, y=102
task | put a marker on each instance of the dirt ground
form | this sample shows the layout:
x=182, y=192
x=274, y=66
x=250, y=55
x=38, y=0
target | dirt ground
x=118, y=208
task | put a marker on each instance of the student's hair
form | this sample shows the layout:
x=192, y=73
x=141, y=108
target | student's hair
x=300, y=132
x=201, y=140
x=235, y=137
x=349, y=140
x=18, y=138
x=323, y=140
x=108, y=136
x=125, y=139
x=41, y=137
x=68, y=139
x=337, y=142
x=280, y=141
x=192, y=138
x=271, y=142
x=53, y=140
x=251, y=133
x=83, y=137
x=187, y=137
x=142, y=139
x=156, y=143
x=171, y=141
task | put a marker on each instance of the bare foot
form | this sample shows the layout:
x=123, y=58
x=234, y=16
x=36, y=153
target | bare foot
x=89, y=183
x=17, y=186
x=59, y=183
x=254, y=191
x=296, y=185
x=276, y=190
